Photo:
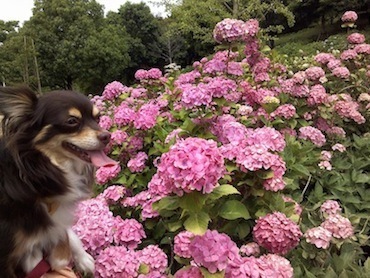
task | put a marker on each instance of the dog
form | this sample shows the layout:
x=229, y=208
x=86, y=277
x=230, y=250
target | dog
x=50, y=146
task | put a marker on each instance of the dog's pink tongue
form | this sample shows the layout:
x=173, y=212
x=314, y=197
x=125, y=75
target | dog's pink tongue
x=99, y=159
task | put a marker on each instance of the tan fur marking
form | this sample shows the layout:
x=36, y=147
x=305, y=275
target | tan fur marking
x=75, y=113
x=95, y=111
x=41, y=134
x=62, y=251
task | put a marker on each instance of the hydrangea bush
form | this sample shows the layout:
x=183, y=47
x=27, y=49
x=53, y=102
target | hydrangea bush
x=237, y=168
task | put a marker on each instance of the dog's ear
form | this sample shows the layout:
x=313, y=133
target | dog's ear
x=16, y=105
x=16, y=101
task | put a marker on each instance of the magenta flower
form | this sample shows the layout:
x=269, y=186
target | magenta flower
x=128, y=232
x=141, y=74
x=106, y=173
x=181, y=244
x=117, y=261
x=276, y=233
x=229, y=30
x=191, y=164
x=213, y=250
x=113, y=193
x=154, y=257
x=105, y=122
x=137, y=162
x=113, y=90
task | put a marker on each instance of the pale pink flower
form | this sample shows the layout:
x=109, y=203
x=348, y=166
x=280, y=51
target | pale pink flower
x=324, y=58
x=119, y=137
x=272, y=265
x=325, y=165
x=318, y=236
x=189, y=272
x=128, y=232
x=338, y=147
x=113, y=90
x=314, y=73
x=349, y=16
x=356, y=38
x=313, y=134
x=330, y=207
x=339, y=226
x=105, y=122
x=154, y=257
x=348, y=54
x=113, y=193
x=341, y=72
x=250, y=249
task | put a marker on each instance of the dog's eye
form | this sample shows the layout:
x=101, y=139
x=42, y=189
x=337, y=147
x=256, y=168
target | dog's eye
x=72, y=121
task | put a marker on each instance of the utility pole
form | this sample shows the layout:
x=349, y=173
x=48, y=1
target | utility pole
x=36, y=67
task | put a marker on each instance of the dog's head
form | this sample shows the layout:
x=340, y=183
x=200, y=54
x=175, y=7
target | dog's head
x=60, y=127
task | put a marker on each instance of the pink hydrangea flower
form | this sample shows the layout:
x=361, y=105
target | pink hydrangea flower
x=94, y=225
x=314, y=73
x=137, y=162
x=242, y=267
x=154, y=257
x=349, y=109
x=324, y=58
x=338, y=147
x=325, y=165
x=250, y=249
x=189, y=272
x=348, y=54
x=285, y=111
x=276, y=233
x=341, y=72
x=318, y=236
x=272, y=265
x=317, y=95
x=128, y=232
x=105, y=122
x=113, y=193
x=349, y=16
x=339, y=226
x=113, y=90
x=363, y=48
x=141, y=74
x=117, y=261
x=213, y=250
x=181, y=244
x=330, y=207
x=356, y=38
x=193, y=96
x=229, y=30
x=146, y=116
x=123, y=115
x=154, y=73
x=106, y=173
x=313, y=134
x=119, y=137
x=191, y=164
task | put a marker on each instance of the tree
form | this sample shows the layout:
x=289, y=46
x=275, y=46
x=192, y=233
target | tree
x=74, y=45
x=143, y=30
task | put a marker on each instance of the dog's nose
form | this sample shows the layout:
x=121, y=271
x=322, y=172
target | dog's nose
x=104, y=137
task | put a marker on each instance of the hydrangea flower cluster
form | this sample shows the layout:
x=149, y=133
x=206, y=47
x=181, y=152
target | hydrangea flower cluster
x=191, y=164
x=276, y=233
x=231, y=30
x=334, y=225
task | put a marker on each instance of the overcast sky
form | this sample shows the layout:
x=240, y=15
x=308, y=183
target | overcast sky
x=21, y=10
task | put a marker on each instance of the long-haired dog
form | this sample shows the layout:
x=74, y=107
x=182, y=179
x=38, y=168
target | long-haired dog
x=49, y=148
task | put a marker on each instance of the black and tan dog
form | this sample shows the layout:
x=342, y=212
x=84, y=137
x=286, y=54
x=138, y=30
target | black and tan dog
x=49, y=148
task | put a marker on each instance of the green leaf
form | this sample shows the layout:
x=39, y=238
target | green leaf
x=193, y=201
x=300, y=169
x=166, y=203
x=222, y=190
x=234, y=209
x=207, y=274
x=197, y=223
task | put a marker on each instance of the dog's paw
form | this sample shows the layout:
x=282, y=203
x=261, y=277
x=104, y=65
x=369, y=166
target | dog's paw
x=85, y=263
